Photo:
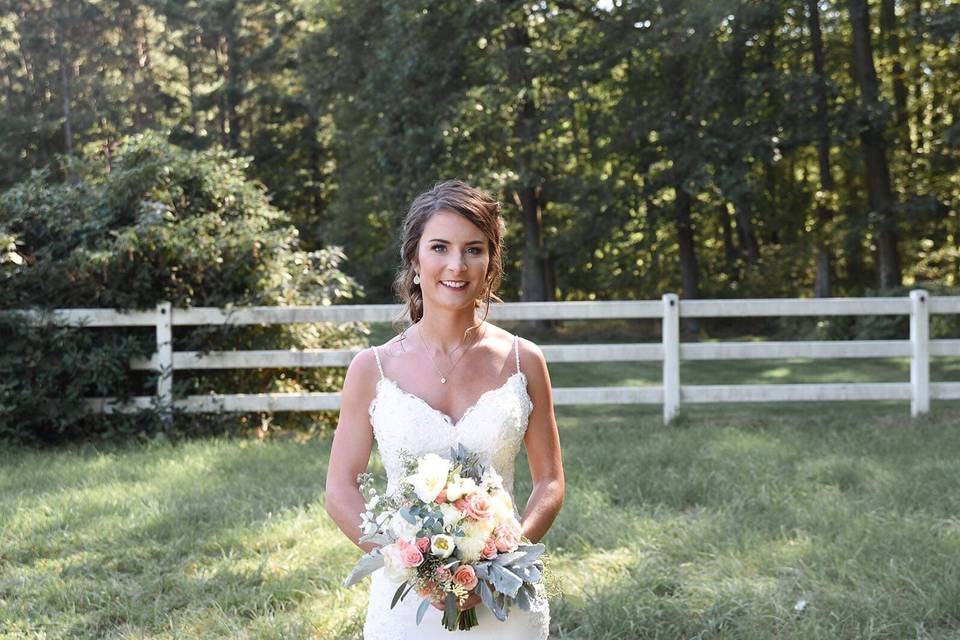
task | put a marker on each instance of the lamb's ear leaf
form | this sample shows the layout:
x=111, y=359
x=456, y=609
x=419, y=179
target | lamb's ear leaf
x=366, y=565
x=422, y=609
x=523, y=600
x=505, y=581
x=486, y=596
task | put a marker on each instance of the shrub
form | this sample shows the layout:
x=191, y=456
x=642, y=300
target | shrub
x=162, y=223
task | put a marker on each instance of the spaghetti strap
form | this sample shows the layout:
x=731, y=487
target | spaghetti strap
x=516, y=348
x=379, y=366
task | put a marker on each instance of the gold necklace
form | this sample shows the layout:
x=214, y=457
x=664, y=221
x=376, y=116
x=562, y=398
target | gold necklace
x=443, y=378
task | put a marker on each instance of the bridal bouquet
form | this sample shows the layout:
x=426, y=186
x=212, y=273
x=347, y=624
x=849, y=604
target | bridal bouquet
x=450, y=530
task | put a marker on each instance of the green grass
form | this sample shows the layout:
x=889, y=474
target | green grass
x=715, y=527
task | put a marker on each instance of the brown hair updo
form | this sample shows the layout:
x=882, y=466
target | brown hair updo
x=477, y=206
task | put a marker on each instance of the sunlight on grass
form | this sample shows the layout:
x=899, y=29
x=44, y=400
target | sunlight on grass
x=717, y=526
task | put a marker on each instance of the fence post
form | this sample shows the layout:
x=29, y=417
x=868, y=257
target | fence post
x=671, y=356
x=165, y=357
x=919, y=352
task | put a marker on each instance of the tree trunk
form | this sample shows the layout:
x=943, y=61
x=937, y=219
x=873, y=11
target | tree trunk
x=527, y=193
x=918, y=80
x=823, y=280
x=689, y=273
x=730, y=250
x=874, y=151
x=64, y=85
x=233, y=89
x=743, y=200
x=533, y=275
x=891, y=45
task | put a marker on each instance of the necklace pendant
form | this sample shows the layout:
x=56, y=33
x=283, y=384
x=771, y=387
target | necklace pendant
x=443, y=381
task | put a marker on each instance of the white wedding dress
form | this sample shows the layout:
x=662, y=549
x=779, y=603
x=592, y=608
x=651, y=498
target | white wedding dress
x=494, y=428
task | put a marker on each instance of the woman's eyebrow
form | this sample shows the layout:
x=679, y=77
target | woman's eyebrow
x=448, y=242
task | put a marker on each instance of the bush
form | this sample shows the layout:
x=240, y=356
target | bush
x=162, y=223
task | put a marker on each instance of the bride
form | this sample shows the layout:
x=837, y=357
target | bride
x=450, y=378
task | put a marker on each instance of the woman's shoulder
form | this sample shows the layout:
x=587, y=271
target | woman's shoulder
x=528, y=350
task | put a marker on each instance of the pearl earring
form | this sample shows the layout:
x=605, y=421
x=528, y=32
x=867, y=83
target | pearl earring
x=416, y=279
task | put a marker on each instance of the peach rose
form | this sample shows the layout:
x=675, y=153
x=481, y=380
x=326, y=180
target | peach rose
x=507, y=537
x=465, y=577
x=410, y=554
x=441, y=497
x=461, y=505
x=489, y=549
x=479, y=506
x=423, y=544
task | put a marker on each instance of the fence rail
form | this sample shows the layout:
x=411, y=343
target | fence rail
x=670, y=351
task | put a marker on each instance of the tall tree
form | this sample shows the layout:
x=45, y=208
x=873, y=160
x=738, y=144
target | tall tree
x=823, y=282
x=874, y=148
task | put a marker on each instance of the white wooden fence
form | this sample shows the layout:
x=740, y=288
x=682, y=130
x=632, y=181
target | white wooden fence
x=671, y=394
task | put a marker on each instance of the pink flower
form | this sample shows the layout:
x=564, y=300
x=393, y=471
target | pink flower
x=442, y=496
x=465, y=577
x=423, y=544
x=443, y=574
x=479, y=506
x=489, y=549
x=410, y=554
x=461, y=505
x=507, y=537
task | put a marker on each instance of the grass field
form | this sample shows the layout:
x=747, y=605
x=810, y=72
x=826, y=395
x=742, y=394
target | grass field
x=828, y=520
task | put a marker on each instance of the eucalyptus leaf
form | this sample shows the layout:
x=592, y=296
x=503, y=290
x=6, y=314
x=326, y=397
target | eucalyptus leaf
x=422, y=609
x=398, y=595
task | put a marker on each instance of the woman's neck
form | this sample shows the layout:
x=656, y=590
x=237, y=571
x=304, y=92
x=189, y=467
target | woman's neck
x=446, y=332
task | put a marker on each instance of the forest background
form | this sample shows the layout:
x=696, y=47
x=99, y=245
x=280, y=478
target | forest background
x=718, y=149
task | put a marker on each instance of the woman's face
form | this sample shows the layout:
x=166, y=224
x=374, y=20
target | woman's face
x=453, y=250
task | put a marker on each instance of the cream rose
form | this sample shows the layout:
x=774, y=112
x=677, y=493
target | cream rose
x=404, y=529
x=491, y=479
x=431, y=477
x=460, y=487
x=393, y=564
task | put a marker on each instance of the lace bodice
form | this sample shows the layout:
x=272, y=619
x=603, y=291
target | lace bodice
x=492, y=427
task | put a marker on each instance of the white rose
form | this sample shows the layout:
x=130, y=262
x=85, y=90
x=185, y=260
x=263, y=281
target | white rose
x=403, y=529
x=393, y=565
x=442, y=545
x=491, y=479
x=451, y=515
x=461, y=487
x=475, y=536
x=430, y=477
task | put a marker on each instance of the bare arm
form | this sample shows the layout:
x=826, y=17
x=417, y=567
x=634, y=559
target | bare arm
x=352, y=444
x=543, y=448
